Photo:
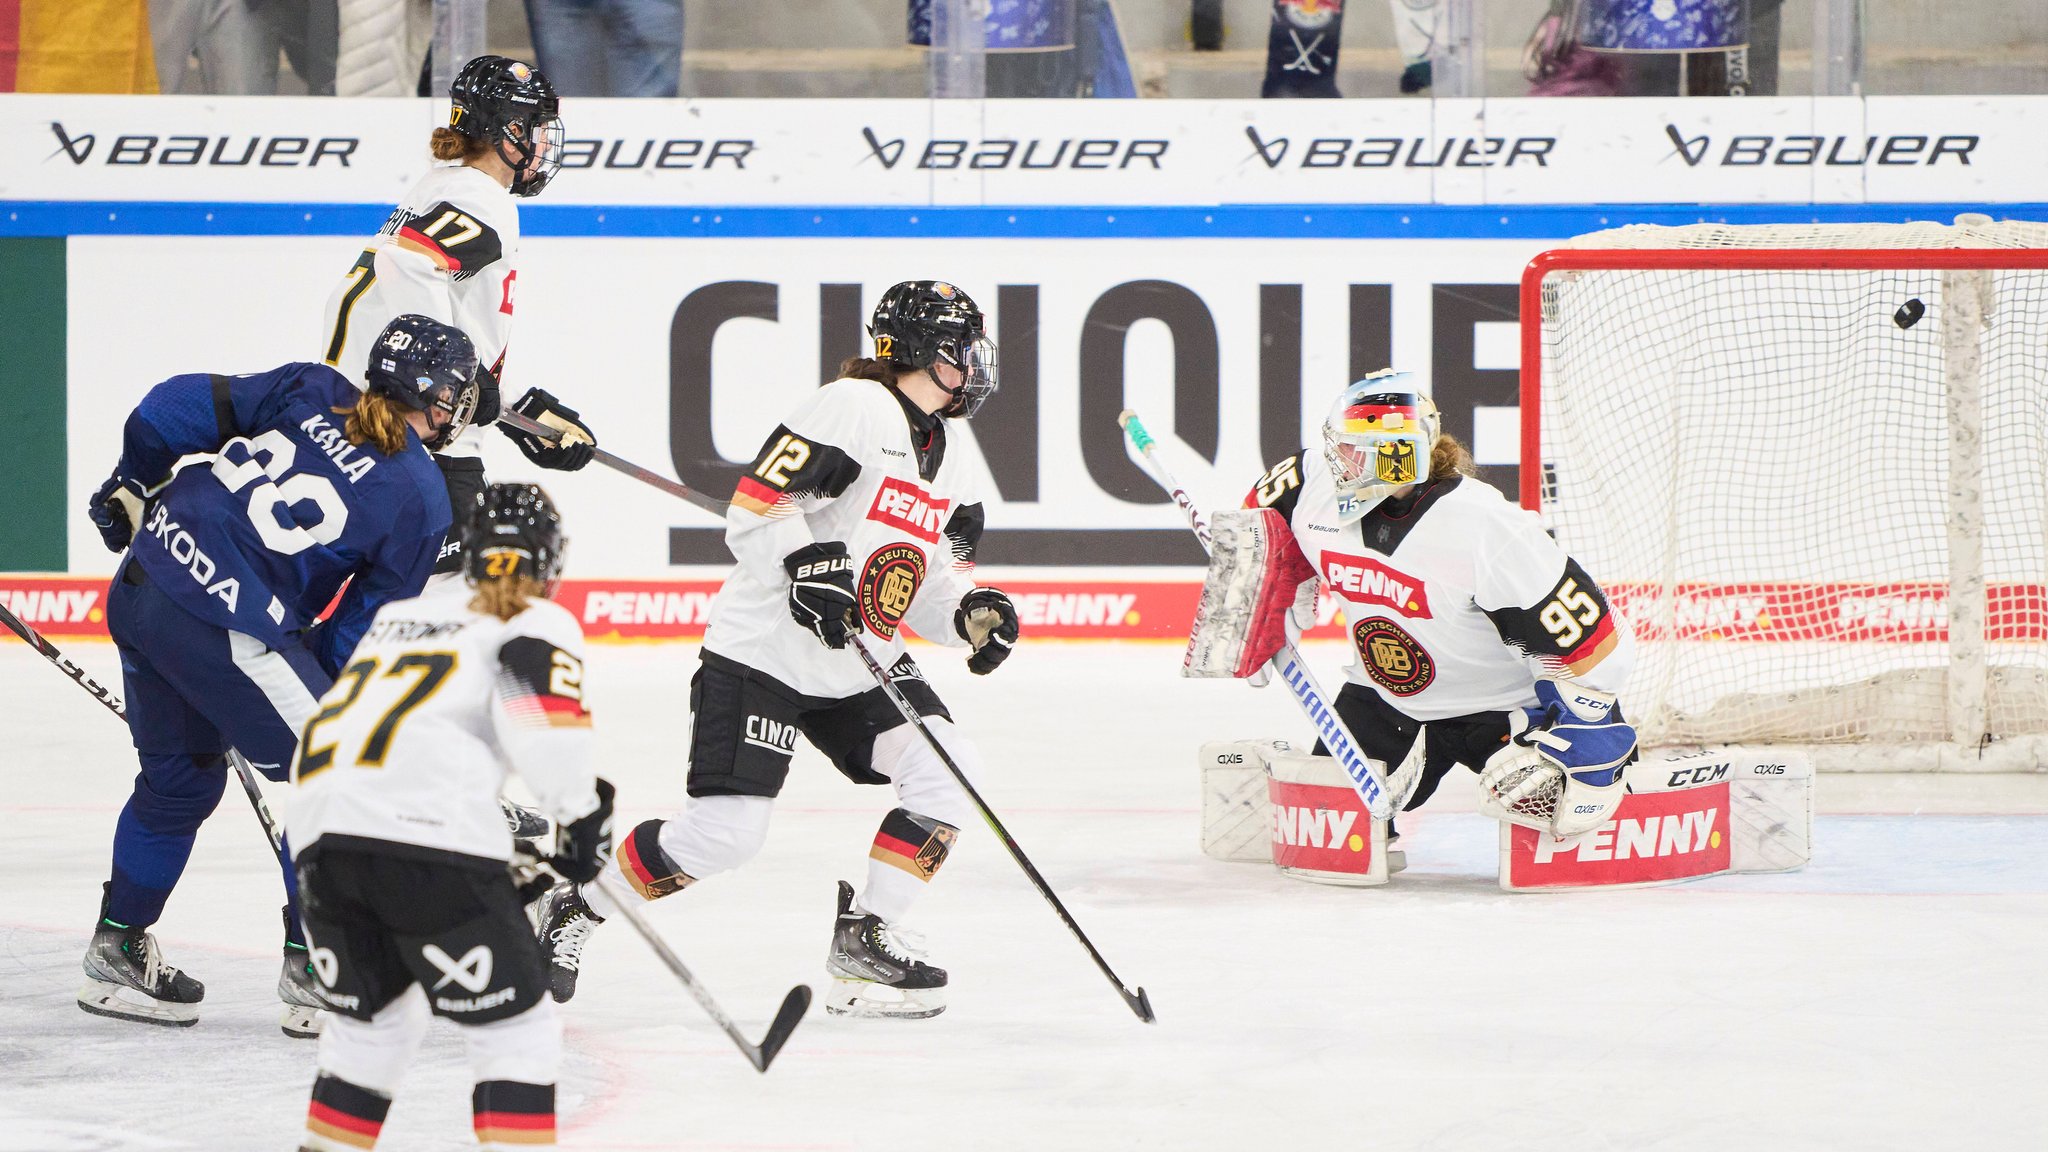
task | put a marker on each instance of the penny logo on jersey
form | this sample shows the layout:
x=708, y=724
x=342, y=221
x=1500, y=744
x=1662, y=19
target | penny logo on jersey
x=1393, y=658
x=887, y=587
x=1365, y=581
x=904, y=505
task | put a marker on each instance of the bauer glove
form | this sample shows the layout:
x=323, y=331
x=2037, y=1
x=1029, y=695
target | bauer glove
x=584, y=845
x=988, y=622
x=566, y=454
x=116, y=510
x=821, y=591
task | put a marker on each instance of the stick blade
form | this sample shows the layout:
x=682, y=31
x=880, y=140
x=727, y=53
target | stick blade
x=1142, y=1005
x=786, y=1019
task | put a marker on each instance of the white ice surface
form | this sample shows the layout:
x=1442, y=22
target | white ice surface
x=1887, y=997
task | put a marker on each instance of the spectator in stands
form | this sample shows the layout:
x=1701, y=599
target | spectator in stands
x=236, y=42
x=609, y=47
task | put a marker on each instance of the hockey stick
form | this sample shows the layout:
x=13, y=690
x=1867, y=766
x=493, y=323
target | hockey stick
x=1287, y=664
x=645, y=476
x=1137, y=1001
x=243, y=771
x=793, y=1007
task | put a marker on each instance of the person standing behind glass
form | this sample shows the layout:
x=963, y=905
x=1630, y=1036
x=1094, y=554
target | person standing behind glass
x=609, y=47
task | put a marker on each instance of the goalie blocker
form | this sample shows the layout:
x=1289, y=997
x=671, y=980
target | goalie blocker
x=1686, y=815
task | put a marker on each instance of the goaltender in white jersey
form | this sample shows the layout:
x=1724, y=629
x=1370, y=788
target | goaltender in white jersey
x=857, y=517
x=1469, y=626
x=401, y=847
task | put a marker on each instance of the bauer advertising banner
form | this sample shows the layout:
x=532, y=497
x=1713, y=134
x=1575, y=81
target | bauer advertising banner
x=698, y=153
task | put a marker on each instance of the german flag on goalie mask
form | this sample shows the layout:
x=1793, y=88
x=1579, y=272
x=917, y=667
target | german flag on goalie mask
x=1394, y=413
x=916, y=844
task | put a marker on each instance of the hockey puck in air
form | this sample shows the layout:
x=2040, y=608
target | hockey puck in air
x=1909, y=313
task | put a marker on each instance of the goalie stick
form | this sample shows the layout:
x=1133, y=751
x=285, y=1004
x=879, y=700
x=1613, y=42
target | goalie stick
x=645, y=476
x=1287, y=665
x=1137, y=1001
x=786, y=1019
x=243, y=772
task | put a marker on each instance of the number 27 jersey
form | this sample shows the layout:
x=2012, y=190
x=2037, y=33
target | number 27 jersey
x=438, y=704
x=1455, y=600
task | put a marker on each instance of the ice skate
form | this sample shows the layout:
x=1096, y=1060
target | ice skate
x=875, y=971
x=566, y=923
x=1397, y=857
x=304, y=1012
x=126, y=978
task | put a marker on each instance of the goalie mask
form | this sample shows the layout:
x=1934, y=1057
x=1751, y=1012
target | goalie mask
x=1379, y=437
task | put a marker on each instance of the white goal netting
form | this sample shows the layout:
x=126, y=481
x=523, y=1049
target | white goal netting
x=1810, y=466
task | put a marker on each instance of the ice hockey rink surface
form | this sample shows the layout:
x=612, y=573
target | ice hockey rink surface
x=1887, y=997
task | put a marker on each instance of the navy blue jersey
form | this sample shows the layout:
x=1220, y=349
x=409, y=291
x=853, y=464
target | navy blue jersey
x=260, y=538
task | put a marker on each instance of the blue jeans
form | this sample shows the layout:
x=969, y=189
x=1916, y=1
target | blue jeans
x=609, y=47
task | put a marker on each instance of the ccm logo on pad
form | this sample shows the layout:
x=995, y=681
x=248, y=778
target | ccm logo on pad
x=910, y=508
x=1366, y=581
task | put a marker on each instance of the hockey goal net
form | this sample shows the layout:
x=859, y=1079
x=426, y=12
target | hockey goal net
x=1809, y=463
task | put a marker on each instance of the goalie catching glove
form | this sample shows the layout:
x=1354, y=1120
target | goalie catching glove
x=567, y=454
x=988, y=622
x=1561, y=772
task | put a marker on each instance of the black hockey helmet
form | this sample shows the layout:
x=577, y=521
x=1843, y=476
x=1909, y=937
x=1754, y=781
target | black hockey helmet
x=920, y=323
x=422, y=363
x=511, y=105
x=514, y=531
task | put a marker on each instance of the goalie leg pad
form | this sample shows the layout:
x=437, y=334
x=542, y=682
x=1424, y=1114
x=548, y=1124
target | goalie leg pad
x=1251, y=593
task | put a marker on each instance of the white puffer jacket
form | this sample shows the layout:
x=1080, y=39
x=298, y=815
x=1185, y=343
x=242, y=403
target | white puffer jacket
x=383, y=44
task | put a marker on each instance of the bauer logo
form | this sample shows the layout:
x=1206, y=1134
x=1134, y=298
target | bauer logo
x=1021, y=153
x=1654, y=836
x=911, y=508
x=196, y=150
x=1402, y=151
x=1827, y=151
x=1362, y=580
x=652, y=154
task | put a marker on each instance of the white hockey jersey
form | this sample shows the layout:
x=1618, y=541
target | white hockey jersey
x=856, y=464
x=414, y=741
x=450, y=251
x=1455, y=599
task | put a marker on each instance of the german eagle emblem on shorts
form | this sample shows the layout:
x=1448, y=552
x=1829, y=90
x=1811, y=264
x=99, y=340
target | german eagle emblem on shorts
x=1392, y=657
x=887, y=586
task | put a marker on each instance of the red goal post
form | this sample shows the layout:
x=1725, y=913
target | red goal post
x=1810, y=466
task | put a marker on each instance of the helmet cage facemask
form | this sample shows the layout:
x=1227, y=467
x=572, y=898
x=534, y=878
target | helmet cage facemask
x=458, y=398
x=976, y=360
x=532, y=148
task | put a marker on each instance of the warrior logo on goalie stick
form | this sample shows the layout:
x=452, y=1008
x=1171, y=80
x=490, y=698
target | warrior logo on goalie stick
x=1392, y=657
x=886, y=588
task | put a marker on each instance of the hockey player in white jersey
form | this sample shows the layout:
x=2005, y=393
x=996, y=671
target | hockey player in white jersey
x=402, y=850
x=858, y=516
x=450, y=250
x=1469, y=626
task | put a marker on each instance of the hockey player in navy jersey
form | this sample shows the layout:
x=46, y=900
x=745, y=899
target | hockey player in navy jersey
x=1471, y=630
x=311, y=485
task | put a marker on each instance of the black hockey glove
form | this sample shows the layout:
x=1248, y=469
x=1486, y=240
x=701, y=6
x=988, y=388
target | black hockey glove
x=489, y=400
x=116, y=510
x=584, y=846
x=567, y=454
x=821, y=591
x=987, y=620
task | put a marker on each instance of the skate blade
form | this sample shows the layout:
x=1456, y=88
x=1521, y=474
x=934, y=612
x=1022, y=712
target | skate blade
x=1397, y=861
x=861, y=999
x=120, y=1002
x=301, y=1022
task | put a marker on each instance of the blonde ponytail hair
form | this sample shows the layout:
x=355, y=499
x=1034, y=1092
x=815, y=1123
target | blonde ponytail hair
x=1450, y=457
x=376, y=420
x=506, y=596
